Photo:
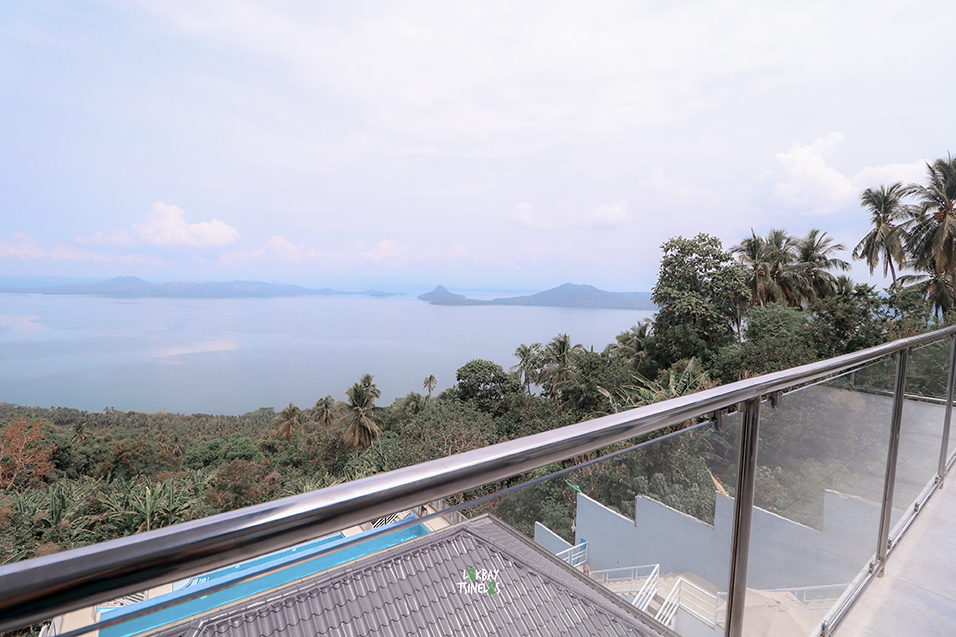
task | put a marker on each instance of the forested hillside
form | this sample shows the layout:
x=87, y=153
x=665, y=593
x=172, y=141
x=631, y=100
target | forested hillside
x=71, y=478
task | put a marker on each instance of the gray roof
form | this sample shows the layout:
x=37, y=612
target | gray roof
x=423, y=587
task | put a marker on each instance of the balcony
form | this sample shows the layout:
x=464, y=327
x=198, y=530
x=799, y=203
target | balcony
x=780, y=505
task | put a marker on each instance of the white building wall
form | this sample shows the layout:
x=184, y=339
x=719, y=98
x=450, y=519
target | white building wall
x=783, y=553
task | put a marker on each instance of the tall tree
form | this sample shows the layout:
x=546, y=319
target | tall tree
x=753, y=253
x=288, y=419
x=367, y=381
x=324, y=411
x=361, y=429
x=770, y=261
x=528, y=369
x=884, y=243
x=559, y=356
x=632, y=344
x=814, y=260
x=430, y=384
x=698, y=292
x=933, y=234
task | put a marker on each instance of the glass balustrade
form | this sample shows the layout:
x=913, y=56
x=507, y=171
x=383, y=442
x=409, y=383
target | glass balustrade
x=649, y=522
x=820, y=465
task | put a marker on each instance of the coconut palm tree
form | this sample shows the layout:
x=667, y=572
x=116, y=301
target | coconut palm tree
x=430, y=384
x=367, y=382
x=288, y=419
x=814, y=260
x=753, y=254
x=559, y=354
x=324, y=411
x=529, y=360
x=885, y=241
x=80, y=433
x=631, y=344
x=789, y=284
x=935, y=286
x=933, y=233
x=770, y=260
x=360, y=430
x=844, y=285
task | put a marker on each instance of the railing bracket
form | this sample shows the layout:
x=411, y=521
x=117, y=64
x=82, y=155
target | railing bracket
x=776, y=398
x=720, y=420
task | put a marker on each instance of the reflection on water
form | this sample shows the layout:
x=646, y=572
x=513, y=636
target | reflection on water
x=236, y=355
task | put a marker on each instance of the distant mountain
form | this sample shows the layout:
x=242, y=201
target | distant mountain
x=568, y=295
x=439, y=294
x=130, y=286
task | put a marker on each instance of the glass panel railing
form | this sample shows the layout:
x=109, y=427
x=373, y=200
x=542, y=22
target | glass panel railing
x=921, y=430
x=650, y=525
x=820, y=463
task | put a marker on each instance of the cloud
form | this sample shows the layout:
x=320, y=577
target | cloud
x=605, y=217
x=802, y=181
x=523, y=215
x=387, y=249
x=872, y=176
x=166, y=225
x=21, y=247
x=284, y=248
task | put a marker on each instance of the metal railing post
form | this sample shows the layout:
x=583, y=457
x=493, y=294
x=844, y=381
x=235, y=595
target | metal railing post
x=944, y=445
x=743, y=517
x=892, y=455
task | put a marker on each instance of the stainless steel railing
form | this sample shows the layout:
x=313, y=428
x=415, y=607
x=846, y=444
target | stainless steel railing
x=41, y=588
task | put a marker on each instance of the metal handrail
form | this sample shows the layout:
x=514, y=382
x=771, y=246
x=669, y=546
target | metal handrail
x=41, y=588
x=644, y=596
x=574, y=555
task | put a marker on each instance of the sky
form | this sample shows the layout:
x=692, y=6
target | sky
x=398, y=145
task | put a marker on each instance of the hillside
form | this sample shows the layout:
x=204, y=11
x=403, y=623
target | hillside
x=438, y=294
x=568, y=295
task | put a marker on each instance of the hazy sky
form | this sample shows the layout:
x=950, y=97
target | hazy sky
x=402, y=144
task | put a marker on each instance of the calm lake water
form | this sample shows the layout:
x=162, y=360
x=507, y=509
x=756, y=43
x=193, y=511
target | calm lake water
x=235, y=355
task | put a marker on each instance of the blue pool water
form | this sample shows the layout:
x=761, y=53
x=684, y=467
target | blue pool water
x=321, y=562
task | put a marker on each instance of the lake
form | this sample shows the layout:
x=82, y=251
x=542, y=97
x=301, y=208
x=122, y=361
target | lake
x=235, y=355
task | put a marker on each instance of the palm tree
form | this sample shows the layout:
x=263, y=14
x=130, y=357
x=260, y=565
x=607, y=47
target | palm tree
x=770, y=260
x=844, y=285
x=559, y=354
x=933, y=235
x=288, y=419
x=885, y=241
x=324, y=411
x=527, y=371
x=815, y=259
x=430, y=384
x=367, y=382
x=80, y=433
x=631, y=344
x=935, y=286
x=413, y=403
x=788, y=280
x=361, y=429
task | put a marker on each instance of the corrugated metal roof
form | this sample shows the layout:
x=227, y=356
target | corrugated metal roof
x=424, y=587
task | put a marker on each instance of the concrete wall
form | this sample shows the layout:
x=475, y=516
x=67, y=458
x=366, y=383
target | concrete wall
x=783, y=554
x=548, y=539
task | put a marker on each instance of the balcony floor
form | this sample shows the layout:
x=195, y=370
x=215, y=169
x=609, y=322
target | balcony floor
x=917, y=595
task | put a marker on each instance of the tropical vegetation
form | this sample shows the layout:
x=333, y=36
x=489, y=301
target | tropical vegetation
x=69, y=478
